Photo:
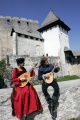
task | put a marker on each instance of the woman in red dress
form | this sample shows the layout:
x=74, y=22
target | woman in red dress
x=24, y=100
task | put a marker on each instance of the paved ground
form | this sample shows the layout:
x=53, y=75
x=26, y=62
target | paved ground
x=68, y=88
x=69, y=83
x=63, y=84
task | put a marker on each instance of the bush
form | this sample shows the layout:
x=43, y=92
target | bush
x=2, y=67
x=75, y=119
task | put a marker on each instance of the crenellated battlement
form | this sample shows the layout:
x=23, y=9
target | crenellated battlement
x=19, y=19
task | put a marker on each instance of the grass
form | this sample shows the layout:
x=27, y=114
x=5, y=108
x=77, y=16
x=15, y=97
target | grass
x=68, y=77
x=75, y=119
x=65, y=78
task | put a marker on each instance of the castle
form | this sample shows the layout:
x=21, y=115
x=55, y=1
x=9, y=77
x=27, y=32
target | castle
x=24, y=37
x=20, y=37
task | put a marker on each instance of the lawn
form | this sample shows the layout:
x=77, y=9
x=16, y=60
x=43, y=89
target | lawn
x=75, y=119
x=65, y=78
x=68, y=77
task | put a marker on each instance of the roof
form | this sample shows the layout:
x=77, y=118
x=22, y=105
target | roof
x=29, y=33
x=76, y=53
x=51, y=17
x=67, y=50
x=25, y=27
x=52, y=20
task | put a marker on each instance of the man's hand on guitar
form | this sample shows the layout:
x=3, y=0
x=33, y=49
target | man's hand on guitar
x=22, y=79
x=46, y=76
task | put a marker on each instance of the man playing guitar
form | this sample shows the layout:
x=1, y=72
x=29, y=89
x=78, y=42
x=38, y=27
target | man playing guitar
x=44, y=72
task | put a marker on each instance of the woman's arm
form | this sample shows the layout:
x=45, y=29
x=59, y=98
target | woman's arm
x=32, y=73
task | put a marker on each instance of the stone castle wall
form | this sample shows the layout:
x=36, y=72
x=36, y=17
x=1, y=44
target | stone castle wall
x=74, y=69
x=29, y=63
x=30, y=47
x=21, y=26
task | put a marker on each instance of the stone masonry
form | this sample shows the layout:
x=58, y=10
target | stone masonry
x=28, y=40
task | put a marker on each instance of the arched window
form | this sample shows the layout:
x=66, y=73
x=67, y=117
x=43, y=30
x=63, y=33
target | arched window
x=37, y=50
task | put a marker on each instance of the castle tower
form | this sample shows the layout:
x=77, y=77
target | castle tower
x=55, y=34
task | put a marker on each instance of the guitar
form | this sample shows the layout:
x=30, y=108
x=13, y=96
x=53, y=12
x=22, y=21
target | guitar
x=51, y=74
x=27, y=76
x=50, y=78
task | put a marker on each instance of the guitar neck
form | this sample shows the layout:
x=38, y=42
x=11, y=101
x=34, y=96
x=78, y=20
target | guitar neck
x=53, y=70
x=33, y=67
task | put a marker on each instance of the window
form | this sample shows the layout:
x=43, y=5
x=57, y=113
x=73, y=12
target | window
x=19, y=23
x=8, y=22
x=19, y=35
x=41, y=40
x=27, y=23
x=26, y=36
x=36, y=38
x=31, y=37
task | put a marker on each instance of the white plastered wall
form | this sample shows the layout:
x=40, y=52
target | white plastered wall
x=51, y=41
x=55, y=40
x=64, y=42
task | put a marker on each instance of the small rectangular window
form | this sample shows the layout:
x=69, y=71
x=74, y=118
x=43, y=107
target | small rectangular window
x=19, y=23
x=31, y=37
x=26, y=36
x=8, y=22
x=27, y=23
x=36, y=38
x=19, y=34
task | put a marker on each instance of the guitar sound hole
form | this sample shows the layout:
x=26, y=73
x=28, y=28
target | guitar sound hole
x=25, y=76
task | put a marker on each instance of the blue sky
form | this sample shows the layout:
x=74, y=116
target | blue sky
x=66, y=10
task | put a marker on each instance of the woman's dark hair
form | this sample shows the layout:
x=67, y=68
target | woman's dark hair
x=20, y=60
x=43, y=61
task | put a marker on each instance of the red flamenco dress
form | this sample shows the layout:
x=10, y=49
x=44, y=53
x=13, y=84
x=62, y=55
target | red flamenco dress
x=24, y=100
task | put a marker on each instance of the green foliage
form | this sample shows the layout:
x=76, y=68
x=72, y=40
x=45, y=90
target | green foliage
x=2, y=67
x=75, y=119
x=66, y=78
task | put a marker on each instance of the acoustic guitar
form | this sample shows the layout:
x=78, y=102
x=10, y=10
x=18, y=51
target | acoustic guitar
x=27, y=76
x=51, y=74
x=51, y=77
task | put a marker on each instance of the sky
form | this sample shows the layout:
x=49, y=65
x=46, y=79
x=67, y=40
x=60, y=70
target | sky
x=66, y=10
